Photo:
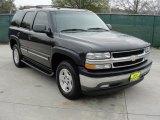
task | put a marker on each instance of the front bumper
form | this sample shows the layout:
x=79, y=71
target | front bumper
x=108, y=81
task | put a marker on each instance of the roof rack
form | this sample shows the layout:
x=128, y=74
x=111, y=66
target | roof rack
x=50, y=6
x=38, y=6
x=44, y=6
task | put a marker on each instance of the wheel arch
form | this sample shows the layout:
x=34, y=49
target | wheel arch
x=14, y=40
x=61, y=54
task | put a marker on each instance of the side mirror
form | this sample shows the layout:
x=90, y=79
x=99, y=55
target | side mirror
x=41, y=29
x=109, y=26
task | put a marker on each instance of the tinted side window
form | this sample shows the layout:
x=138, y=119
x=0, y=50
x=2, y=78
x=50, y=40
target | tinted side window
x=17, y=18
x=28, y=19
x=41, y=19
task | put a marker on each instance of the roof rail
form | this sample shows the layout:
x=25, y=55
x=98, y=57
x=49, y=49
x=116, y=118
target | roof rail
x=51, y=6
x=43, y=6
x=37, y=6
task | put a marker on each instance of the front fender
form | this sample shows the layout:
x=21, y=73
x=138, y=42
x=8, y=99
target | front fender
x=69, y=53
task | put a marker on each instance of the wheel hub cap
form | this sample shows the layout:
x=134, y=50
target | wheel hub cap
x=16, y=56
x=65, y=79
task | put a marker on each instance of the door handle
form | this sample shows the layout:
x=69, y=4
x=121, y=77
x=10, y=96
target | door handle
x=18, y=34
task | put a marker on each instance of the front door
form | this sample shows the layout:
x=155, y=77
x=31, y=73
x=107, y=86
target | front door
x=39, y=45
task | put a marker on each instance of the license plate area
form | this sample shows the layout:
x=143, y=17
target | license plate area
x=135, y=76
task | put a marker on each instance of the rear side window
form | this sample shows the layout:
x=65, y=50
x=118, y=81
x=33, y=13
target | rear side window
x=17, y=18
x=41, y=19
x=27, y=21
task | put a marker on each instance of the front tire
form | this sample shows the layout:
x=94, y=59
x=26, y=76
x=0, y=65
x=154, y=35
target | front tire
x=17, y=56
x=68, y=80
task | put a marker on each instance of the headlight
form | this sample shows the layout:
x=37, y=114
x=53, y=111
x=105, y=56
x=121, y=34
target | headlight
x=147, y=50
x=97, y=57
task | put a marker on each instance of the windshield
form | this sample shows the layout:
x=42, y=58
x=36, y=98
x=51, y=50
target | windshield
x=79, y=21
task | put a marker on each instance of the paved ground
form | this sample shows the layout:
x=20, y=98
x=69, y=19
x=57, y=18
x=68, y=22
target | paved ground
x=26, y=94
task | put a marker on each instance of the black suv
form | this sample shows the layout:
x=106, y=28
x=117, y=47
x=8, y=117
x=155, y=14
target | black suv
x=76, y=46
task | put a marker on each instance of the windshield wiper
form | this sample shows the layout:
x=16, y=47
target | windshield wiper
x=98, y=29
x=75, y=30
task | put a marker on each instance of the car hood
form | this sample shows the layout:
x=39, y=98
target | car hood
x=104, y=41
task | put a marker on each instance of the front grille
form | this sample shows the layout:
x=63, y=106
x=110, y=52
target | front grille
x=128, y=63
x=127, y=53
x=128, y=58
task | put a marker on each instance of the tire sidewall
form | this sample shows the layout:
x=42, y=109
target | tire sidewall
x=19, y=63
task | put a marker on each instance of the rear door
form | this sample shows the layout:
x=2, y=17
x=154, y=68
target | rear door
x=39, y=45
x=15, y=29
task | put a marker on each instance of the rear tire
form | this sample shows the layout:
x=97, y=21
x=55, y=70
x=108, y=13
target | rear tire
x=17, y=56
x=68, y=82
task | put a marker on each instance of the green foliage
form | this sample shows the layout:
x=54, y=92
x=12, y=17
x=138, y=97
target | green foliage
x=7, y=6
x=94, y=5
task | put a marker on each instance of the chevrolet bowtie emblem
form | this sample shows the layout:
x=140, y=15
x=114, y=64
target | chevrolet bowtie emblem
x=133, y=58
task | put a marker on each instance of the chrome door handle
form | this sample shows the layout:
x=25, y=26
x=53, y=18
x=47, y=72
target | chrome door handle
x=18, y=34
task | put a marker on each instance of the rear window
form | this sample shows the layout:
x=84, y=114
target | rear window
x=17, y=18
x=28, y=20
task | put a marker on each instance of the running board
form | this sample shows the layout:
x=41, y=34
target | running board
x=42, y=71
